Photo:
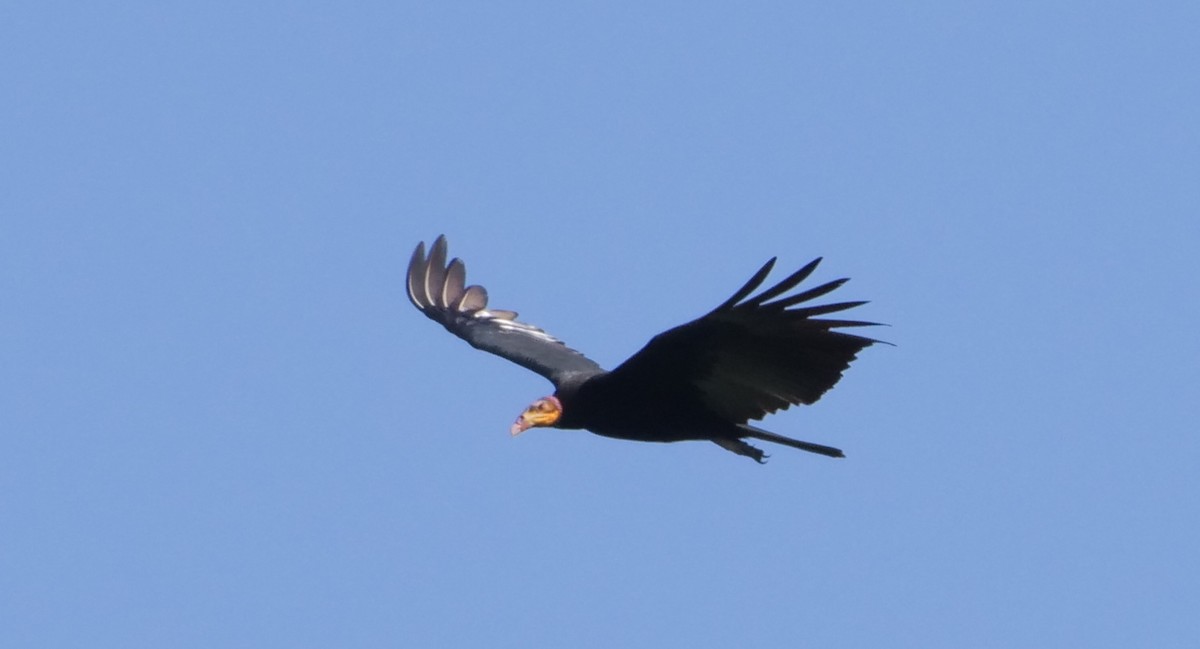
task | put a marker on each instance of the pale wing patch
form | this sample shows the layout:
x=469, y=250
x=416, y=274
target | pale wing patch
x=508, y=324
x=439, y=290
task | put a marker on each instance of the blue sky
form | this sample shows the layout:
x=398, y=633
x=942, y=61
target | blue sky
x=221, y=423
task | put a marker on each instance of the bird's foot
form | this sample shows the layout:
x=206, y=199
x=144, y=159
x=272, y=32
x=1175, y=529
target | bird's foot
x=742, y=448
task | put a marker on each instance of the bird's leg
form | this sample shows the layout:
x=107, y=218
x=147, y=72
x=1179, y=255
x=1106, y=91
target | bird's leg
x=741, y=448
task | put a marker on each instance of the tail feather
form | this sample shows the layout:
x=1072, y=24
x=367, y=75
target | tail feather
x=767, y=436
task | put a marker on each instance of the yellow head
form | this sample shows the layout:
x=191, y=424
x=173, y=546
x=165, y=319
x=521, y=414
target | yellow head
x=543, y=412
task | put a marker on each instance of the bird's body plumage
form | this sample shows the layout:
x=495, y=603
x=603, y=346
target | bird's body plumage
x=703, y=380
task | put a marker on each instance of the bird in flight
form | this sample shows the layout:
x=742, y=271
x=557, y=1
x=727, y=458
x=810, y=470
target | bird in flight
x=703, y=380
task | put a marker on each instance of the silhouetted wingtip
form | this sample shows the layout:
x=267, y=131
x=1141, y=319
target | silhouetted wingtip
x=749, y=286
x=784, y=286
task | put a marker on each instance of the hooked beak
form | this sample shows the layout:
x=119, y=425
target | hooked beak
x=521, y=425
x=543, y=412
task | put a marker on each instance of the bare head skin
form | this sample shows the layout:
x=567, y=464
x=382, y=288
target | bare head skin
x=543, y=412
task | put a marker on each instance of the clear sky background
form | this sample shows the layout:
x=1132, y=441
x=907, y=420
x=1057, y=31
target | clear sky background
x=222, y=424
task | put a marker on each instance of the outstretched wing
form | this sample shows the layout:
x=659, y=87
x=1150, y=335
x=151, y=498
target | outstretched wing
x=438, y=289
x=751, y=356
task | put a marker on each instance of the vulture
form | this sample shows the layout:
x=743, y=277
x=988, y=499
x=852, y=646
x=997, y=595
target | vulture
x=704, y=380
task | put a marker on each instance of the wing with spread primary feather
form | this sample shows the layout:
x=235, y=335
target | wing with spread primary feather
x=752, y=356
x=438, y=289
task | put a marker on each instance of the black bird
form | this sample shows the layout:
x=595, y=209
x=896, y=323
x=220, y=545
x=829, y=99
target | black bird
x=703, y=380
